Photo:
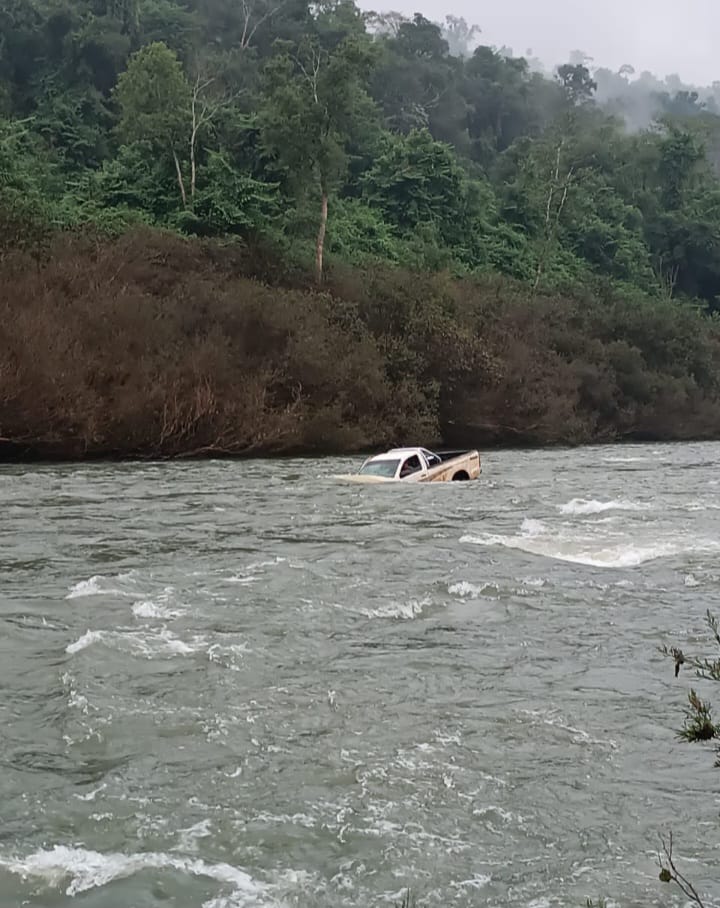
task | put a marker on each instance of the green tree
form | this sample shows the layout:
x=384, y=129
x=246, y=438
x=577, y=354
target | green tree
x=228, y=201
x=578, y=85
x=419, y=187
x=155, y=100
x=315, y=104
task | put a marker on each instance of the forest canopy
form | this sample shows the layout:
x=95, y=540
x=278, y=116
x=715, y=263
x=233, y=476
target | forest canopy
x=357, y=137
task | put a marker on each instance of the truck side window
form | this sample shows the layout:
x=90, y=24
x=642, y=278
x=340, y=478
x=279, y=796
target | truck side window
x=411, y=465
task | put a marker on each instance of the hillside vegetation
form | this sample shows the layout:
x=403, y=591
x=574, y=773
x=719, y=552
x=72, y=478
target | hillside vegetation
x=270, y=225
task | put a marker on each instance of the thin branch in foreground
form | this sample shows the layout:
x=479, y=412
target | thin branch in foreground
x=408, y=900
x=670, y=874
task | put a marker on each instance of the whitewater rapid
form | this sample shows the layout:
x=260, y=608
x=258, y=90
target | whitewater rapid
x=234, y=684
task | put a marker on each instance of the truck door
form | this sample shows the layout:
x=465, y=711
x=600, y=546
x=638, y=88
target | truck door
x=413, y=468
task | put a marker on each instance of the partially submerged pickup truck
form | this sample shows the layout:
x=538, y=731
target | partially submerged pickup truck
x=419, y=465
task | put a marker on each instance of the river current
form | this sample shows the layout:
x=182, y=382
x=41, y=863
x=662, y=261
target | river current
x=232, y=684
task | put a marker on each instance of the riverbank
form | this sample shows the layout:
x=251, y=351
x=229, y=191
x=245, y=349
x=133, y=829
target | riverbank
x=152, y=346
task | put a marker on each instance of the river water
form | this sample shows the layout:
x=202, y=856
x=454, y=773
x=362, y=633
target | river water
x=234, y=684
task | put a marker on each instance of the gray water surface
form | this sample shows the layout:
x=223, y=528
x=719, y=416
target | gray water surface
x=238, y=684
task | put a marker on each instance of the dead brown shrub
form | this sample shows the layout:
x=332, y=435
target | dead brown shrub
x=154, y=346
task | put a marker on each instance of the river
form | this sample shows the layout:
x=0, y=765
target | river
x=229, y=684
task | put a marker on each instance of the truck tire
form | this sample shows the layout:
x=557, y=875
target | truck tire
x=461, y=476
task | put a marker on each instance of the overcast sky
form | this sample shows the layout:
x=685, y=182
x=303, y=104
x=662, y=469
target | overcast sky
x=663, y=36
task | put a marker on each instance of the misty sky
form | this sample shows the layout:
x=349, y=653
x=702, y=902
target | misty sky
x=663, y=36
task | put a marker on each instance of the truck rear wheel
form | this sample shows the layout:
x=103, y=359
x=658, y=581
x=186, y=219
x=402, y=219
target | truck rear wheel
x=462, y=476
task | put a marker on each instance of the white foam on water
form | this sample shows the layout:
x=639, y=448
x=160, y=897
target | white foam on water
x=582, y=506
x=98, y=585
x=228, y=655
x=278, y=559
x=82, y=870
x=532, y=527
x=299, y=886
x=404, y=610
x=603, y=548
x=161, y=607
x=252, y=572
x=296, y=819
x=87, y=639
x=706, y=505
x=189, y=836
x=507, y=816
x=150, y=609
x=446, y=738
x=91, y=795
x=577, y=735
x=146, y=642
x=76, y=700
x=466, y=590
x=476, y=882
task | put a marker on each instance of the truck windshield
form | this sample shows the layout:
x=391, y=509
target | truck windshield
x=386, y=468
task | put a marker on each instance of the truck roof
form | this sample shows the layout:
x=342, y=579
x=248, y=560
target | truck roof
x=394, y=453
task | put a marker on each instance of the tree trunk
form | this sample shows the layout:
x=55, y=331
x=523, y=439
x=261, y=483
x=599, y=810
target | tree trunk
x=193, y=165
x=321, y=239
x=551, y=229
x=195, y=126
x=181, y=183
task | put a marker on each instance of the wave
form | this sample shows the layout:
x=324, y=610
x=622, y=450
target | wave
x=253, y=571
x=695, y=505
x=158, y=607
x=189, y=837
x=98, y=585
x=494, y=812
x=466, y=590
x=404, y=610
x=577, y=735
x=617, y=551
x=229, y=656
x=87, y=639
x=582, y=506
x=83, y=870
x=150, y=609
x=479, y=881
x=149, y=644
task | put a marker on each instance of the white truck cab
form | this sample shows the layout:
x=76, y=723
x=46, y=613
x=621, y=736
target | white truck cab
x=399, y=463
x=420, y=465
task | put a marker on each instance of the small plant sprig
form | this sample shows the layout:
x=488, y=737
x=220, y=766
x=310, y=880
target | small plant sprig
x=708, y=669
x=699, y=724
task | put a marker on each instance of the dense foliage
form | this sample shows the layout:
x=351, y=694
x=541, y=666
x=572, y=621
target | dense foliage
x=503, y=253
x=405, y=140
